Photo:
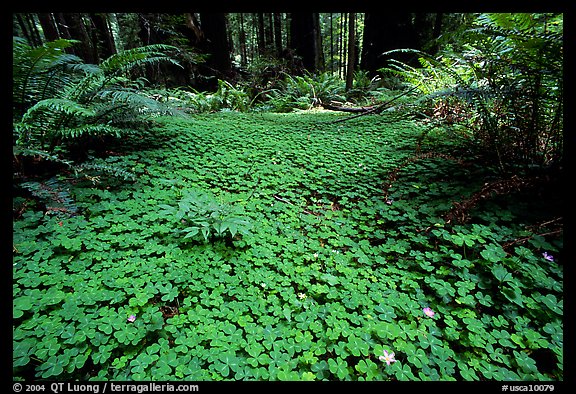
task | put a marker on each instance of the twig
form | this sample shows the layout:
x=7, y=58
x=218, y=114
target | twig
x=522, y=240
x=253, y=189
x=281, y=199
x=288, y=202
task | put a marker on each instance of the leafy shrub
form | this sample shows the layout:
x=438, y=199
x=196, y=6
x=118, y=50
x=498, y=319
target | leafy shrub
x=264, y=73
x=203, y=213
x=508, y=77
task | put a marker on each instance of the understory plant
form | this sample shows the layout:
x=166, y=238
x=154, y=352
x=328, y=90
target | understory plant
x=202, y=213
x=505, y=85
x=60, y=101
x=63, y=108
x=306, y=91
x=226, y=97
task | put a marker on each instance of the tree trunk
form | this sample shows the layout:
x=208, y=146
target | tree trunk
x=149, y=34
x=303, y=39
x=216, y=45
x=25, y=29
x=278, y=33
x=331, y=45
x=78, y=31
x=28, y=29
x=344, y=60
x=351, y=51
x=436, y=31
x=64, y=33
x=242, y=40
x=318, y=48
x=48, y=26
x=34, y=33
x=104, y=40
x=383, y=32
x=261, y=40
x=269, y=35
x=341, y=45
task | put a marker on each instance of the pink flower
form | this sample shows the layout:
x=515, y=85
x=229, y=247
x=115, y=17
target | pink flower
x=428, y=312
x=387, y=357
x=547, y=256
x=131, y=318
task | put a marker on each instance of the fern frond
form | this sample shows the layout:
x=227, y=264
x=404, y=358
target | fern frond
x=54, y=195
x=35, y=71
x=57, y=105
x=71, y=133
x=21, y=151
x=109, y=169
x=135, y=57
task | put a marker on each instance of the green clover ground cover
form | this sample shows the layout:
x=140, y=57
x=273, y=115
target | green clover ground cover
x=342, y=274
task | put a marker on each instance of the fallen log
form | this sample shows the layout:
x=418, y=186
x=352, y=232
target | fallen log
x=333, y=107
x=374, y=109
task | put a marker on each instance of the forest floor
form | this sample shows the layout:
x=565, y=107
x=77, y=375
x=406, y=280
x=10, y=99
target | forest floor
x=342, y=251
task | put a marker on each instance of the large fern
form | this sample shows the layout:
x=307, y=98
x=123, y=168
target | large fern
x=306, y=91
x=59, y=100
x=508, y=75
x=60, y=103
x=37, y=73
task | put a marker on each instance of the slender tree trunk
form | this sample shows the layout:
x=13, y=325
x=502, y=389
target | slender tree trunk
x=104, y=40
x=29, y=29
x=278, y=33
x=149, y=35
x=254, y=36
x=34, y=33
x=115, y=32
x=242, y=40
x=351, y=51
x=261, y=39
x=48, y=26
x=437, y=25
x=78, y=31
x=269, y=33
x=24, y=29
x=64, y=33
x=62, y=26
x=331, y=45
x=344, y=61
x=436, y=32
x=341, y=45
x=94, y=42
x=318, y=47
x=229, y=38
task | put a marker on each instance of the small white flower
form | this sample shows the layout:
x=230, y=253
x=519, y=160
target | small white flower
x=302, y=296
x=387, y=357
